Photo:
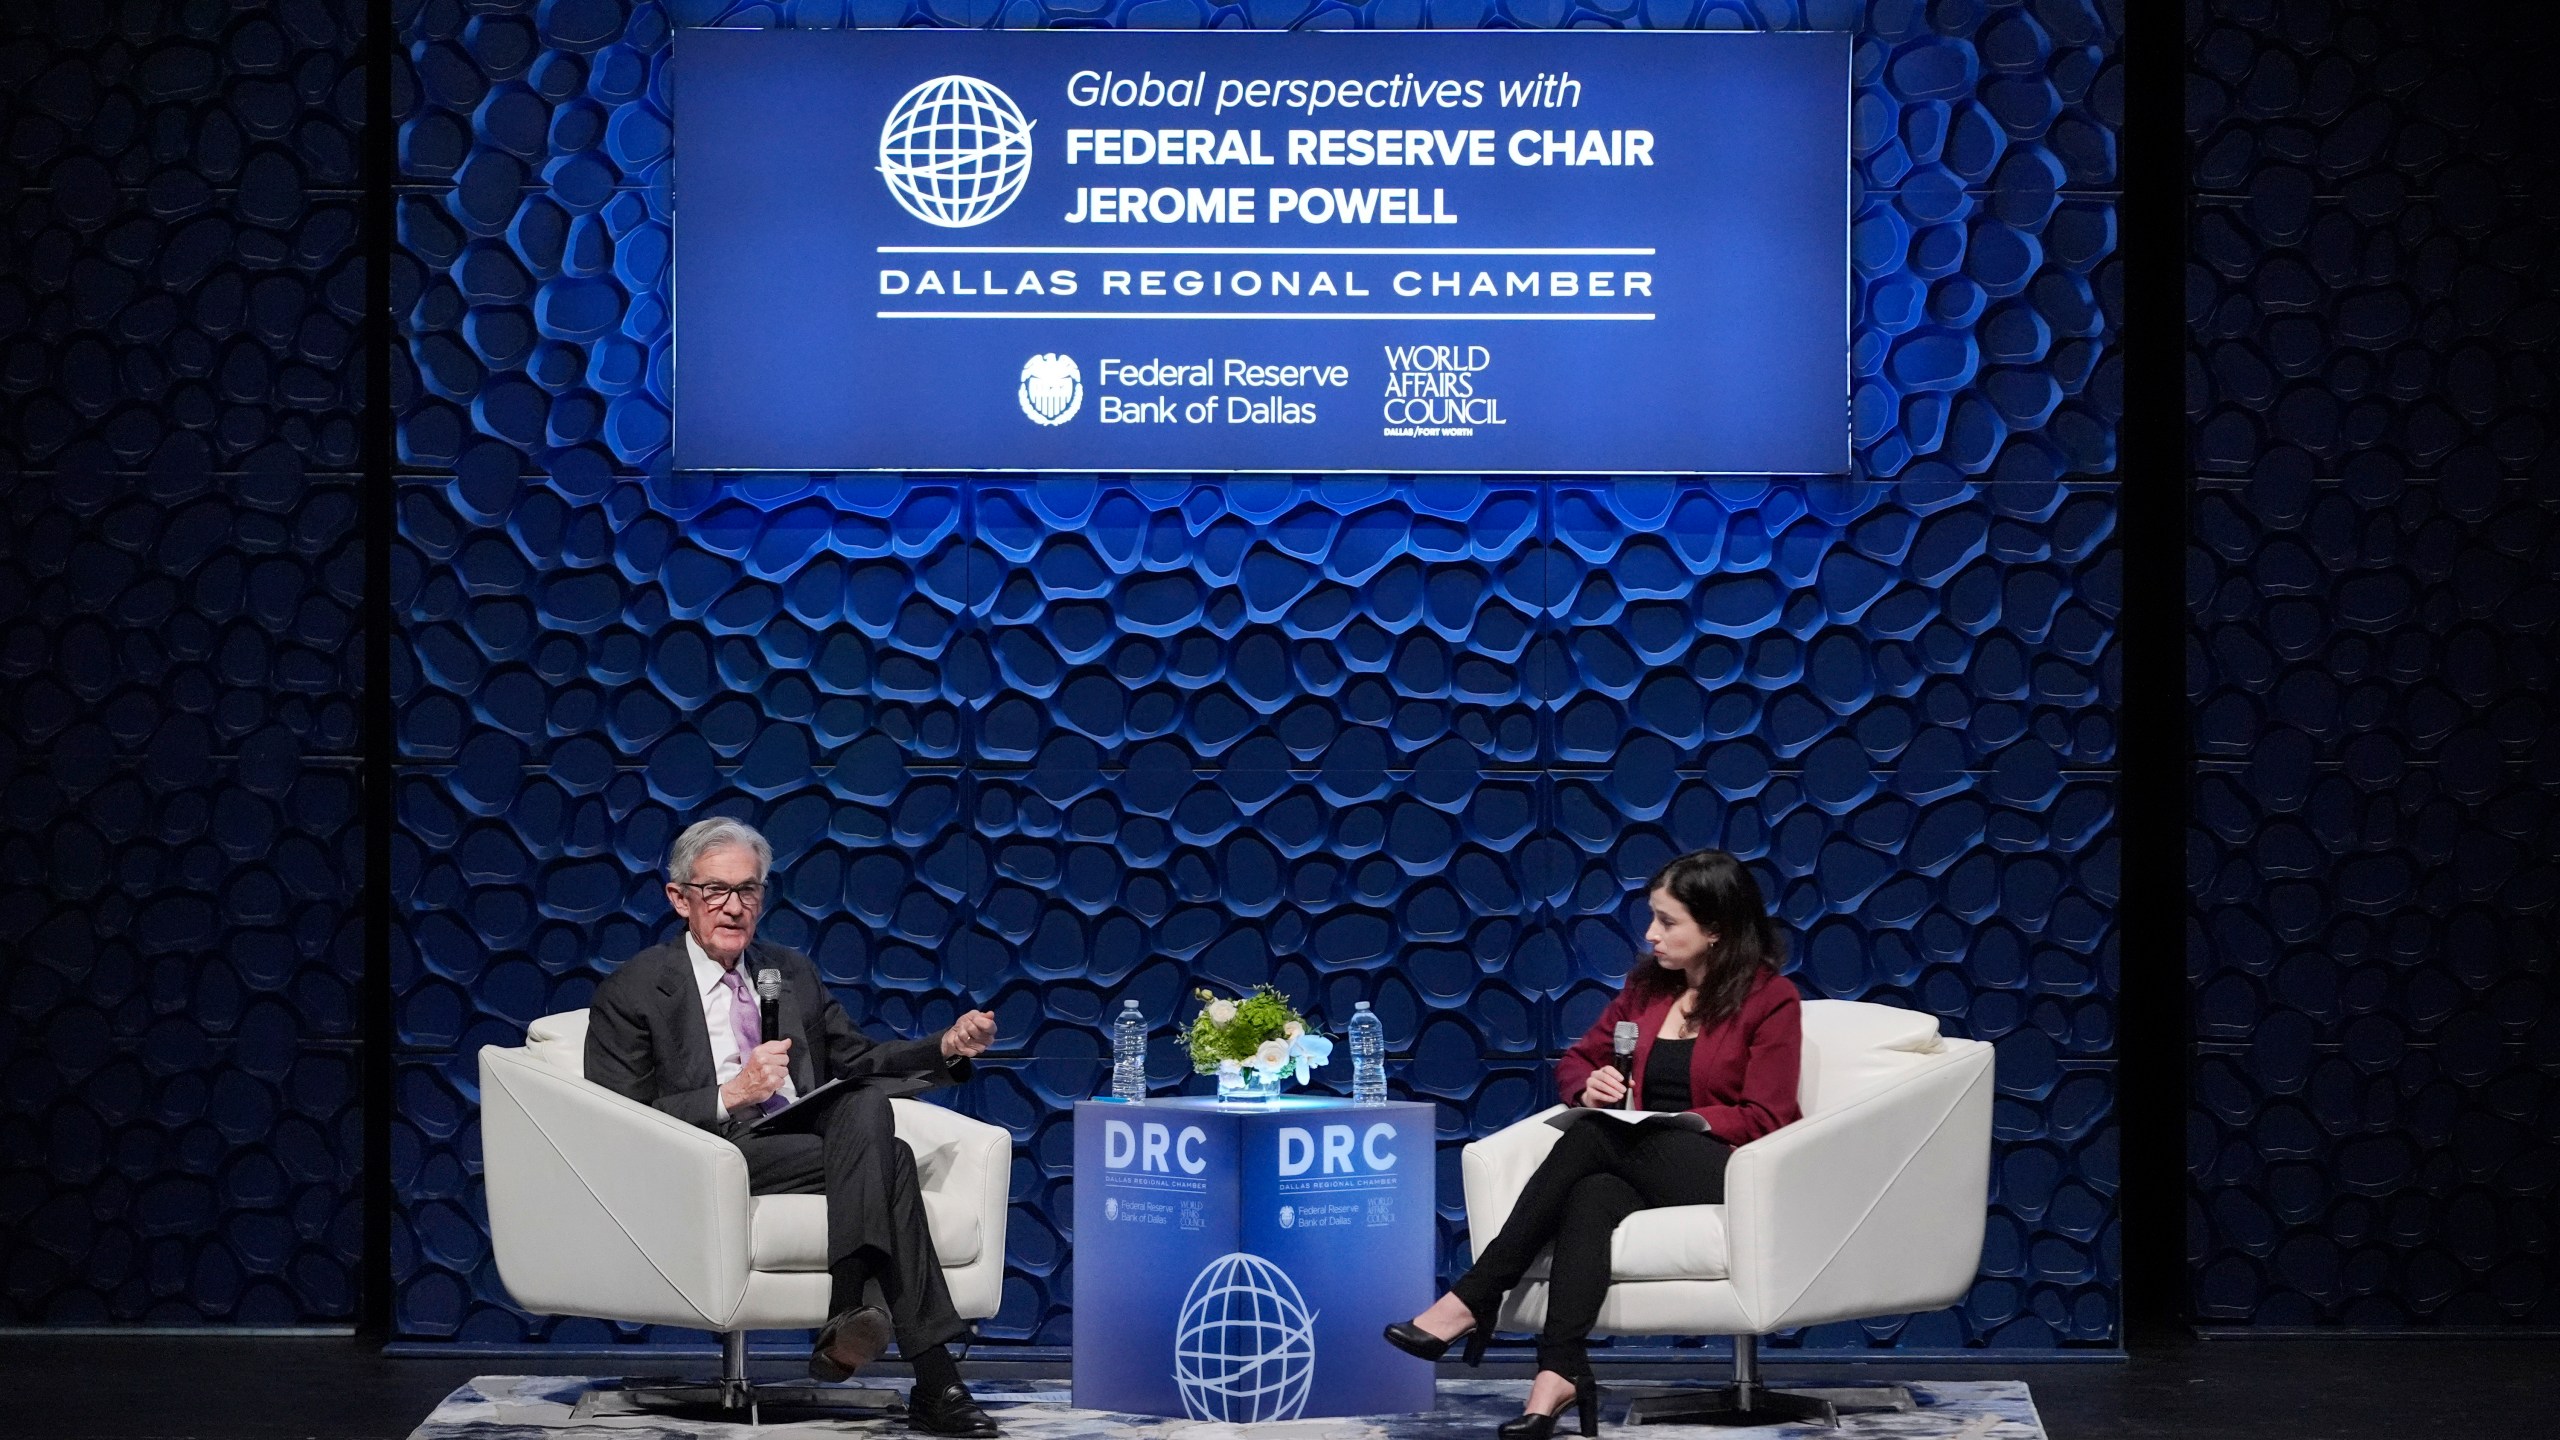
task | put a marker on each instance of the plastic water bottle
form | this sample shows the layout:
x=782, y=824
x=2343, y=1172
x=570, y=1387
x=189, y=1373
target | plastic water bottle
x=1368, y=1057
x=1129, y=1054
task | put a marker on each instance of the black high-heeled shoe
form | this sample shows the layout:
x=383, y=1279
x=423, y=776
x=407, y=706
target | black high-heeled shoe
x=1421, y=1344
x=1530, y=1425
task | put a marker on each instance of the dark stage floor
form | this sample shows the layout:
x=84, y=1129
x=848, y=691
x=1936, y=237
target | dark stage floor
x=157, y=1388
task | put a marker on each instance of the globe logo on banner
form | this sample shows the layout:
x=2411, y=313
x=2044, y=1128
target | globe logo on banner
x=1244, y=1349
x=955, y=152
x=1052, y=389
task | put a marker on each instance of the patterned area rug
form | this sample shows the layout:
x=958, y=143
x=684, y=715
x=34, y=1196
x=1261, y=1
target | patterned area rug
x=539, y=1407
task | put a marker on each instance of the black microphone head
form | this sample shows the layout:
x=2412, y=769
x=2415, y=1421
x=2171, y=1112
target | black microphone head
x=768, y=984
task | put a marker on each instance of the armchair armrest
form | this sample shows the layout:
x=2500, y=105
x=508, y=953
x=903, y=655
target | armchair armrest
x=602, y=1206
x=1874, y=1208
x=1497, y=1168
x=973, y=1160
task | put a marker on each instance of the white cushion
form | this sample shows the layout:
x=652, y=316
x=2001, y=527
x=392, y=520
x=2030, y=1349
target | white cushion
x=559, y=1042
x=1674, y=1242
x=1851, y=1047
x=789, y=1232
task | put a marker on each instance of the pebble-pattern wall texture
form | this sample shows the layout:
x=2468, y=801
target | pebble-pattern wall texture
x=1046, y=745
x=1040, y=746
x=180, y=570
x=2374, y=580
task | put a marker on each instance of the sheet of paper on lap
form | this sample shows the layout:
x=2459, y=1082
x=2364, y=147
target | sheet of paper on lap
x=1685, y=1119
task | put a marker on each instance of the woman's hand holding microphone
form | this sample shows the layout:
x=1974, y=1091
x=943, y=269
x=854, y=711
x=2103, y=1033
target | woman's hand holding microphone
x=1604, y=1089
x=1607, y=1087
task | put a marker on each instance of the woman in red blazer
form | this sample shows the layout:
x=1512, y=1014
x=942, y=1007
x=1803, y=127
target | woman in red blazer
x=1719, y=1034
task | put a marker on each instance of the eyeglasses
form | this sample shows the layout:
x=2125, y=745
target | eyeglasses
x=718, y=896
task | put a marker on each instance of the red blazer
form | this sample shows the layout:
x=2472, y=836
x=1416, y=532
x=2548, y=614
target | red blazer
x=1743, y=1072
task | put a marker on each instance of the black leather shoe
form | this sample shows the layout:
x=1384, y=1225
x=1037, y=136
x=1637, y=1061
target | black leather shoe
x=1417, y=1342
x=1530, y=1425
x=849, y=1342
x=1421, y=1344
x=950, y=1410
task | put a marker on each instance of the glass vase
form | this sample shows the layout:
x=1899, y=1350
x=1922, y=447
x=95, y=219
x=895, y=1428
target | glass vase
x=1248, y=1087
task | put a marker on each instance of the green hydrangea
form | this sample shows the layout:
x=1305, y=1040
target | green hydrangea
x=1263, y=1015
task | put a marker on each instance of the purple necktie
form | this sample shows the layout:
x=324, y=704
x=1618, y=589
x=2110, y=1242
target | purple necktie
x=748, y=1021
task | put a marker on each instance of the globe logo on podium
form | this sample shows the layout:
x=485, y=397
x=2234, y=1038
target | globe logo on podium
x=955, y=151
x=1244, y=1349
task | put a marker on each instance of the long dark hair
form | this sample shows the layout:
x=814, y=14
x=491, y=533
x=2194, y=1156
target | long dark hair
x=1721, y=896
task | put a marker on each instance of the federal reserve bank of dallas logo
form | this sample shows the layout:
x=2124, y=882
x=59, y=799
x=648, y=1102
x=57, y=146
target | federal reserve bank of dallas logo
x=1052, y=389
x=955, y=151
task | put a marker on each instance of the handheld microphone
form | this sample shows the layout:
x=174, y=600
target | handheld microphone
x=769, y=992
x=1624, y=1045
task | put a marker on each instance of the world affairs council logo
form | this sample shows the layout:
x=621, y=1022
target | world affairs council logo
x=1244, y=1343
x=1052, y=389
x=955, y=152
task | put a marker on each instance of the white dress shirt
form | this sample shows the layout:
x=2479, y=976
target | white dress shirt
x=720, y=1017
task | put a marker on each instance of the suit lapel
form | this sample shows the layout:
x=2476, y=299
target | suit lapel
x=690, y=1064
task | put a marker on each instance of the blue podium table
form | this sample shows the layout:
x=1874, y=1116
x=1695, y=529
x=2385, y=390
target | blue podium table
x=1236, y=1262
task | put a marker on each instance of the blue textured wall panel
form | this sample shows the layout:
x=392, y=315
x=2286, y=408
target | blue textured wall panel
x=179, y=575
x=2373, y=581
x=1303, y=781
x=1040, y=746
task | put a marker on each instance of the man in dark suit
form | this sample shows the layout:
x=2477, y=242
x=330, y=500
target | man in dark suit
x=679, y=1027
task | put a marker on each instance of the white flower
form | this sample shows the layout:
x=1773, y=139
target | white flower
x=1230, y=1067
x=1293, y=1030
x=1222, y=1012
x=1307, y=1052
x=1271, y=1055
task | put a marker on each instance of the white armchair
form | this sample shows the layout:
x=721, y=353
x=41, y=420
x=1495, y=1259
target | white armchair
x=602, y=1206
x=1872, y=1204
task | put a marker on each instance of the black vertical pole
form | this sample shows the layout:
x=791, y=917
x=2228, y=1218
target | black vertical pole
x=381, y=165
x=2152, y=1034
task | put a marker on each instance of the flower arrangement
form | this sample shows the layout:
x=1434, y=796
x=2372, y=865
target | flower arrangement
x=1249, y=1043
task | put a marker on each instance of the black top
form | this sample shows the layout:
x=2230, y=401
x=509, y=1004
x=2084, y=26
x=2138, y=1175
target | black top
x=1666, y=1075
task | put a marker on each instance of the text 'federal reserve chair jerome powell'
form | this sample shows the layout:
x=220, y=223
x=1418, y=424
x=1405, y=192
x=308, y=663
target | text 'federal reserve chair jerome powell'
x=602, y=1206
x=1873, y=1204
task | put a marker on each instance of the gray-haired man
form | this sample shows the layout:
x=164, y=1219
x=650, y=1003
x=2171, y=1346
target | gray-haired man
x=679, y=1027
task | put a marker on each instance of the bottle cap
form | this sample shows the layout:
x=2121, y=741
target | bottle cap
x=1129, y=1005
x=1363, y=1005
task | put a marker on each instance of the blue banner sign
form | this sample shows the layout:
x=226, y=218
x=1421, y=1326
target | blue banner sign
x=1491, y=251
x=1236, y=1264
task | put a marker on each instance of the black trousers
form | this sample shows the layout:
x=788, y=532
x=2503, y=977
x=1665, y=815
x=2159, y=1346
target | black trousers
x=1600, y=1173
x=876, y=1233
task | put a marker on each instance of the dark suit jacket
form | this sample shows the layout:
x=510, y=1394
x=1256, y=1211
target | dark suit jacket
x=646, y=1038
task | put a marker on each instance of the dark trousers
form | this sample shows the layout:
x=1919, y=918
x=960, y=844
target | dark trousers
x=876, y=1231
x=1600, y=1173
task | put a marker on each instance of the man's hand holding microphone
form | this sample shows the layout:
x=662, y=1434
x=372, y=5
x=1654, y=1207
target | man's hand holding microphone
x=761, y=1077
